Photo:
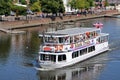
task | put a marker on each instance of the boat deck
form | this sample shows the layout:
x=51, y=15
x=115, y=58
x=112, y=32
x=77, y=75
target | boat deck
x=73, y=31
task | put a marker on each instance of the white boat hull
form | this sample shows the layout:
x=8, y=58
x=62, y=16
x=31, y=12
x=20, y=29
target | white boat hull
x=99, y=48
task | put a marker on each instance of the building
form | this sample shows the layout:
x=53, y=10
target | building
x=113, y=1
x=67, y=7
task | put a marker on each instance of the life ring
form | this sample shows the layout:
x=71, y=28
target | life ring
x=47, y=48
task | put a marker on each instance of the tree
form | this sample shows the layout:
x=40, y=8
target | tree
x=72, y=3
x=33, y=1
x=19, y=10
x=35, y=6
x=80, y=4
x=23, y=2
x=52, y=6
x=61, y=8
x=91, y=3
x=106, y=3
x=5, y=7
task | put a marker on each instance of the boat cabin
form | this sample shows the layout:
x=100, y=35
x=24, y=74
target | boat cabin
x=68, y=39
x=72, y=44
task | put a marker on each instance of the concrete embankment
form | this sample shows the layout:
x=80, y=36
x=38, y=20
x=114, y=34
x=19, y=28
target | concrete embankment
x=43, y=21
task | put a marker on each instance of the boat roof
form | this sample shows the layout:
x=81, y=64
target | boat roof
x=104, y=34
x=71, y=31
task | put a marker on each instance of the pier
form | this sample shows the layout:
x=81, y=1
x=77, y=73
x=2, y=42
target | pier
x=11, y=26
x=11, y=31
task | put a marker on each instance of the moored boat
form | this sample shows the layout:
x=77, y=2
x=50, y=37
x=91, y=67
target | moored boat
x=98, y=25
x=69, y=46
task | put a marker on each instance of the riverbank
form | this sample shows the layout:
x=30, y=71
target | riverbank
x=43, y=21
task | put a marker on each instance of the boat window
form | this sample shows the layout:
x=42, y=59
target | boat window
x=106, y=38
x=67, y=40
x=51, y=39
x=47, y=57
x=75, y=54
x=92, y=48
x=61, y=57
x=102, y=39
x=61, y=39
x=83, y=51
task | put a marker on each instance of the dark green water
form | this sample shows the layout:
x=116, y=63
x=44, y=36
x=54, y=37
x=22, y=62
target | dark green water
x=18, y=52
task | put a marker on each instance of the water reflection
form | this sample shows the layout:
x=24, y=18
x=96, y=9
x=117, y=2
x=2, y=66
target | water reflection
x=86, y=70
x=5, y=43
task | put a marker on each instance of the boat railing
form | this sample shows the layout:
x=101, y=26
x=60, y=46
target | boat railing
x=102, y=38
x=57, y=48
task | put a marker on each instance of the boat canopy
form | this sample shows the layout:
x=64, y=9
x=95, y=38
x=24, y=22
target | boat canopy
x=69, y=32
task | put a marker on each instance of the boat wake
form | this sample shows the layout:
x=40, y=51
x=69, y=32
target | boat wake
x=38, y=67
x=42, y=69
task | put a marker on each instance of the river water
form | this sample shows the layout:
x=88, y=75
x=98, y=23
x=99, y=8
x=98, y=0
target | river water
x=18, y=52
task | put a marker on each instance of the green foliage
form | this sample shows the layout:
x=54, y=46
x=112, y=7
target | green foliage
x=49, y=6
x=72, y=3
x=19, y=10
x=61, y=8
x=33, y=1
x=106, y=3
x=91, y=3
x=23, y=2
x=80, y=4
x=35, y=7
x=46, y=6
x=5, y=6
x=52, y=6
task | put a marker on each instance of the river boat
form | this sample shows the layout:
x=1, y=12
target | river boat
x=69, y=46
x=98, y=25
